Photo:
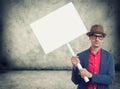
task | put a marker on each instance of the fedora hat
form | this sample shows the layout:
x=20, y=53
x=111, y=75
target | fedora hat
x=96, y=29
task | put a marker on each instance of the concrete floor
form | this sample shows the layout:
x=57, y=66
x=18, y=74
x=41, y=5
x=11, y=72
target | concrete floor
x=41, y=80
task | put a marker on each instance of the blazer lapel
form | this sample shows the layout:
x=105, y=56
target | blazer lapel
x=87, y=58
x=103, y=64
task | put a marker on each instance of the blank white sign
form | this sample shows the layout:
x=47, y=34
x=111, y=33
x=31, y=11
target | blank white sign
x=58, y=28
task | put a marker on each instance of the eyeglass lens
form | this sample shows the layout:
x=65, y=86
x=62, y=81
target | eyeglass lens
x=98, y=36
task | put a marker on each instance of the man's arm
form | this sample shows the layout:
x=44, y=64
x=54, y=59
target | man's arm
x=75, y=76
x=75, y=72
x=108, y=77
x=103, y=78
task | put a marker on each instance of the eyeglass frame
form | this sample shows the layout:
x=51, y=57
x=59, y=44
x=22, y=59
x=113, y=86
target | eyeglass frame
x=100, y=37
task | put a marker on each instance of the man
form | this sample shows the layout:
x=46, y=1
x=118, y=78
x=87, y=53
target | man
x=97, y=63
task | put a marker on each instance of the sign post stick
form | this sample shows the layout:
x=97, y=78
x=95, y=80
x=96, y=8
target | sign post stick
x=78, y=65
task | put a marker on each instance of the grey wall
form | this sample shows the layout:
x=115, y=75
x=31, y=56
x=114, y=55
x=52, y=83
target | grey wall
x=21, y=50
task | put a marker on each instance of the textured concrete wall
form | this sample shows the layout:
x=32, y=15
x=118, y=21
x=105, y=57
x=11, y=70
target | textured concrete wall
x=21, y=49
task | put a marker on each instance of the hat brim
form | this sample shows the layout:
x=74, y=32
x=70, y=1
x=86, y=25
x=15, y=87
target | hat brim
x=92, y=33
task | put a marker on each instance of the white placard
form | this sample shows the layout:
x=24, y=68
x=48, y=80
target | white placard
x=58, y=28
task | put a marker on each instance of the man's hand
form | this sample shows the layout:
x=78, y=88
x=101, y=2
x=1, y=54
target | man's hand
x=85, y=72
x=75, y=60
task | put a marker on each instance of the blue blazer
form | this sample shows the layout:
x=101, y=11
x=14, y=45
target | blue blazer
x=104, y=78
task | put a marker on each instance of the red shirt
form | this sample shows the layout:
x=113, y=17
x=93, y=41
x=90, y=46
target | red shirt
x=94, y=66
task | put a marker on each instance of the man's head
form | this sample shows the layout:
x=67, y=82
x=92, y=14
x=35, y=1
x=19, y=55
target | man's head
x=96, y=35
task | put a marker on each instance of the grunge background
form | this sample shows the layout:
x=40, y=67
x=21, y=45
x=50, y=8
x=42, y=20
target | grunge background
x=23, y=63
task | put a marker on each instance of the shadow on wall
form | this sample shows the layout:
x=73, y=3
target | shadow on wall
x=4, y=63
x=117, y=17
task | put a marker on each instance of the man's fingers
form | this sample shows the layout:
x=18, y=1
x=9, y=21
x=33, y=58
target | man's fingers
x=75, y=58
x=83, y=71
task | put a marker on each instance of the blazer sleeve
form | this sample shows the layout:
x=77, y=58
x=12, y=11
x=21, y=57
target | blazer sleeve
x=108, y=76
x=75, y=76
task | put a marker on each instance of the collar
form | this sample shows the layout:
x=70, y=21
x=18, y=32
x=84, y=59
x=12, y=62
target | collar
x=98, y=52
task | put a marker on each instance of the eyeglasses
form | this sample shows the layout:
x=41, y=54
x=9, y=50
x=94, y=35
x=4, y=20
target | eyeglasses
x=100, y=37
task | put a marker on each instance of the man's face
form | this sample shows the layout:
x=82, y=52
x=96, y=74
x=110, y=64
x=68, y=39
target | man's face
x=96, y=40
